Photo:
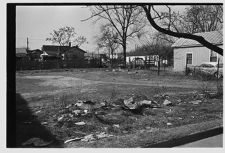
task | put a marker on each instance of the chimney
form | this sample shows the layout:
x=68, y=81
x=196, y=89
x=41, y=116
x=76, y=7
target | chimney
x=69, y=44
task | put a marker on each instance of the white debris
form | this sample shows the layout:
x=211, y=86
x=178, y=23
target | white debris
x=89, y=137
x=60, y=118
x=146, y=102
x=196, y=102
x=80, y=123
x=75, y=139
x=68, y=106
x=169, y=124
x=167, y=102
x=103, y=135
x=44, y=123
x=77, y=112
x=37, y=112
x=116, y=125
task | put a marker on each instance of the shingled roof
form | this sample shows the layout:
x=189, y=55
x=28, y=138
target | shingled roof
x=214, y=37
x=55, y=50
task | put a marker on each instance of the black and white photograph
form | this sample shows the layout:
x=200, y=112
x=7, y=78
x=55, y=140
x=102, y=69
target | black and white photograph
x=114, y=75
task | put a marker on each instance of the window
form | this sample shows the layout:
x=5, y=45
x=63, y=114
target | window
x=213, y=56
x=189, y=58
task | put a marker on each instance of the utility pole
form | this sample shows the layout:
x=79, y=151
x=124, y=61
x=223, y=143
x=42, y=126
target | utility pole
x=27, y=44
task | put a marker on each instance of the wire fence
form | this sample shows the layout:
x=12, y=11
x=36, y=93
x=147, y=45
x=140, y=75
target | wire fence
x=54, y=64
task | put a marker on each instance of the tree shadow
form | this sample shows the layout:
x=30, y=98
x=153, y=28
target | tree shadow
x=30, y=133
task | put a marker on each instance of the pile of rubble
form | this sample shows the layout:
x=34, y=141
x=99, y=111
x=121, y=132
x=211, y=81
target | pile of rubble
x=111, y=114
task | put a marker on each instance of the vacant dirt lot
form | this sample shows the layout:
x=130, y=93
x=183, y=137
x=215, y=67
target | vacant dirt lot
x=50, y=98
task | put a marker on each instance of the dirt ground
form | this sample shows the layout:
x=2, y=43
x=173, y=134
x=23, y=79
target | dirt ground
x=50, y=95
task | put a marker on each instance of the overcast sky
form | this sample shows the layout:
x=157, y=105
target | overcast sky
x=37, y=22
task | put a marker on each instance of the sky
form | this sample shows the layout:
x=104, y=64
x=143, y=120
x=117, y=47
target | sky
x=37, y=22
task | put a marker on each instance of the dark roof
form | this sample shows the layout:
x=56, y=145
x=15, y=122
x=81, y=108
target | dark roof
x=76, y=48
x=21, y=50
x=21, y=55
x=55, y=50
x=214, y=37
x=35, y=51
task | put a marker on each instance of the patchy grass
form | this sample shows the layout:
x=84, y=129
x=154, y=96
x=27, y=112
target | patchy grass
x=44, y=96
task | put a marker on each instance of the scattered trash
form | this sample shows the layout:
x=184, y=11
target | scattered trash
x=179, y=100
x=77, y=112
x=75, y=139
x=145, y=102
x=116, y=125
x=60, y=118
x=167, y=103
x=89, y=137
x=130, y=103
x=85, y=111
x=37, y=142
x=169, y=124
x=80, y=123
x=103, y=135
x=196, y=102
x=44, y=123
x=68, y=106
x=37, y=112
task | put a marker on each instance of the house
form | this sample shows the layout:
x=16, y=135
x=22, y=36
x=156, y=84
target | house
x=34, y=54
x=62, y=52
x=192, y=53
x=21, y=54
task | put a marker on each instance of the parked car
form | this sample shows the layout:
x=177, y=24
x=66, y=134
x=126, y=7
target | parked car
x=209, y=68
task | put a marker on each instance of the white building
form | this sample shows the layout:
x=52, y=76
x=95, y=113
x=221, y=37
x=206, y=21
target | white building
x=194, y=53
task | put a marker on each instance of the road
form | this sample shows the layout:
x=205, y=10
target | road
x=211, y=142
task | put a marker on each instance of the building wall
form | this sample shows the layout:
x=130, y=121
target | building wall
x=199, y=55
x=74, y=54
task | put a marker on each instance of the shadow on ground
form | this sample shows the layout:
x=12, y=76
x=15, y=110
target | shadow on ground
x=29, y=131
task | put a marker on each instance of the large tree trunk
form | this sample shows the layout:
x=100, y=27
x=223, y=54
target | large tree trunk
x=124, y=55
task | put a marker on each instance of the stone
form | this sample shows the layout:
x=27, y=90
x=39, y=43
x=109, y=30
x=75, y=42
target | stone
x=167, y=102
x=80, y=123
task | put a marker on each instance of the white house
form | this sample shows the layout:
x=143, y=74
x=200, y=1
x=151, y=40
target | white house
x=194, y=53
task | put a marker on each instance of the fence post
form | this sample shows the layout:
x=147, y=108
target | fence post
x=158, y=67
x=218, y=68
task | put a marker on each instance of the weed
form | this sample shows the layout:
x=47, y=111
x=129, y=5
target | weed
x=159, y=90
x=113, y=93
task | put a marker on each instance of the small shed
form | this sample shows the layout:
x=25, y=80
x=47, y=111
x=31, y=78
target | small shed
x=192, y=53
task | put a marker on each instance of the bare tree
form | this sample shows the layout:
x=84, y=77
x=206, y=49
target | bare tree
x=203, y=18
x=125, y=19
x=109, y=40
x=171, y=28
x=63, y=36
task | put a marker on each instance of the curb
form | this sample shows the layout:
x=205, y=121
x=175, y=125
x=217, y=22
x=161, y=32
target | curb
x=187, y=139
